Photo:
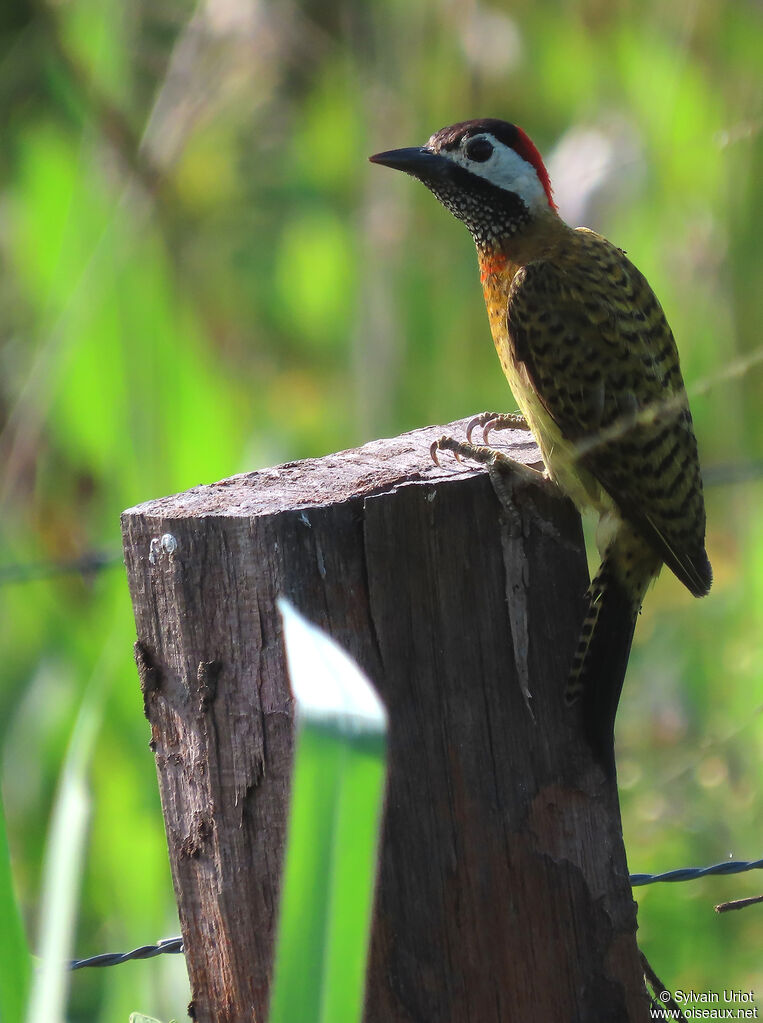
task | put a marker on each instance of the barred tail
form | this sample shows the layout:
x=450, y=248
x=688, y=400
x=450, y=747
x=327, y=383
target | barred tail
x=600, y=661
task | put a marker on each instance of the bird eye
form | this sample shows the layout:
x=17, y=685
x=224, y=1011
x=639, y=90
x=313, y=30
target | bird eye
x=478, y=149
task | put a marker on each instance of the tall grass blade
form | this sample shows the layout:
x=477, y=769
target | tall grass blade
x=330, y=868
x=15, y=962
x=64, y=856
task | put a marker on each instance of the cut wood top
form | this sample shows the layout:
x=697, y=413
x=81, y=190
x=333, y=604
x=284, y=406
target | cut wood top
x=373, y=468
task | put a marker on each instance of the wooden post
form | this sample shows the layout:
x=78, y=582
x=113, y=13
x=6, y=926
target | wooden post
x=503, y=890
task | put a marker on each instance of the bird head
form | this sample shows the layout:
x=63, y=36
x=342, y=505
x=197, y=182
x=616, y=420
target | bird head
x=486, y=172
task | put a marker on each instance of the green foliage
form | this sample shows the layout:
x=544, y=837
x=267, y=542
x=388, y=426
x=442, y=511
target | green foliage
x=338, y=785
x=15, y=962
x=201, y=274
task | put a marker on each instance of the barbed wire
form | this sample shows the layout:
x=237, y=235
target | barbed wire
x=655, y=411
x=175, y=945
x=89, y=563
x=692, y=873
x=725, y=474
x=727, y=907
x=92, y=562
x=162, y=947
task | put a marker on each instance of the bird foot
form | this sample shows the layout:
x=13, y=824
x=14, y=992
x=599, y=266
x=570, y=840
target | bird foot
x=489, y=421
x=507, y=476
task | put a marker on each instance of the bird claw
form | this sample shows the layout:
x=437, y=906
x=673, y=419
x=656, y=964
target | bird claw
x=488, y=421
x=437, y=446
x=461, y=450
x=483, y=420
x=445, y=443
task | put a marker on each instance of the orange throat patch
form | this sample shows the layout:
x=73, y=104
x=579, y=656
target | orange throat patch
x=492, y=263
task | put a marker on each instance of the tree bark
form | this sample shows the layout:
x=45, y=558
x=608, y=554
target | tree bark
x=503, y=891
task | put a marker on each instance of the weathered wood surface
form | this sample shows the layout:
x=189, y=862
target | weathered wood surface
x=503, y=891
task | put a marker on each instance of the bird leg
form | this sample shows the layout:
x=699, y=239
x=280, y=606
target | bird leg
x=506, y=475
x=485, y=456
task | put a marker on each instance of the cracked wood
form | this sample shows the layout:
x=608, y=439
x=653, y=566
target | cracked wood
x=503, y=890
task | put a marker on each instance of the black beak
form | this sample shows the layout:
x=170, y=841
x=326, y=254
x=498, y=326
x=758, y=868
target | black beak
x=420, y=162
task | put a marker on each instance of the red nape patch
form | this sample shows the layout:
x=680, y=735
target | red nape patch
x=525, y=147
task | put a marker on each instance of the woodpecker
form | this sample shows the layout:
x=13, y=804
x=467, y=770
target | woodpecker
x=592, y=363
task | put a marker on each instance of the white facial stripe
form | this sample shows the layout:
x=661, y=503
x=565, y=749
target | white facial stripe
x=506, y=169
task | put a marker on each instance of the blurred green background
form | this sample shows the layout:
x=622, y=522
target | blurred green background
x=201, y=275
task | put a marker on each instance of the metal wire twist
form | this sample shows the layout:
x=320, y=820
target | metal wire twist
x=165, y=945
x=175, y=945
x=692, y=873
